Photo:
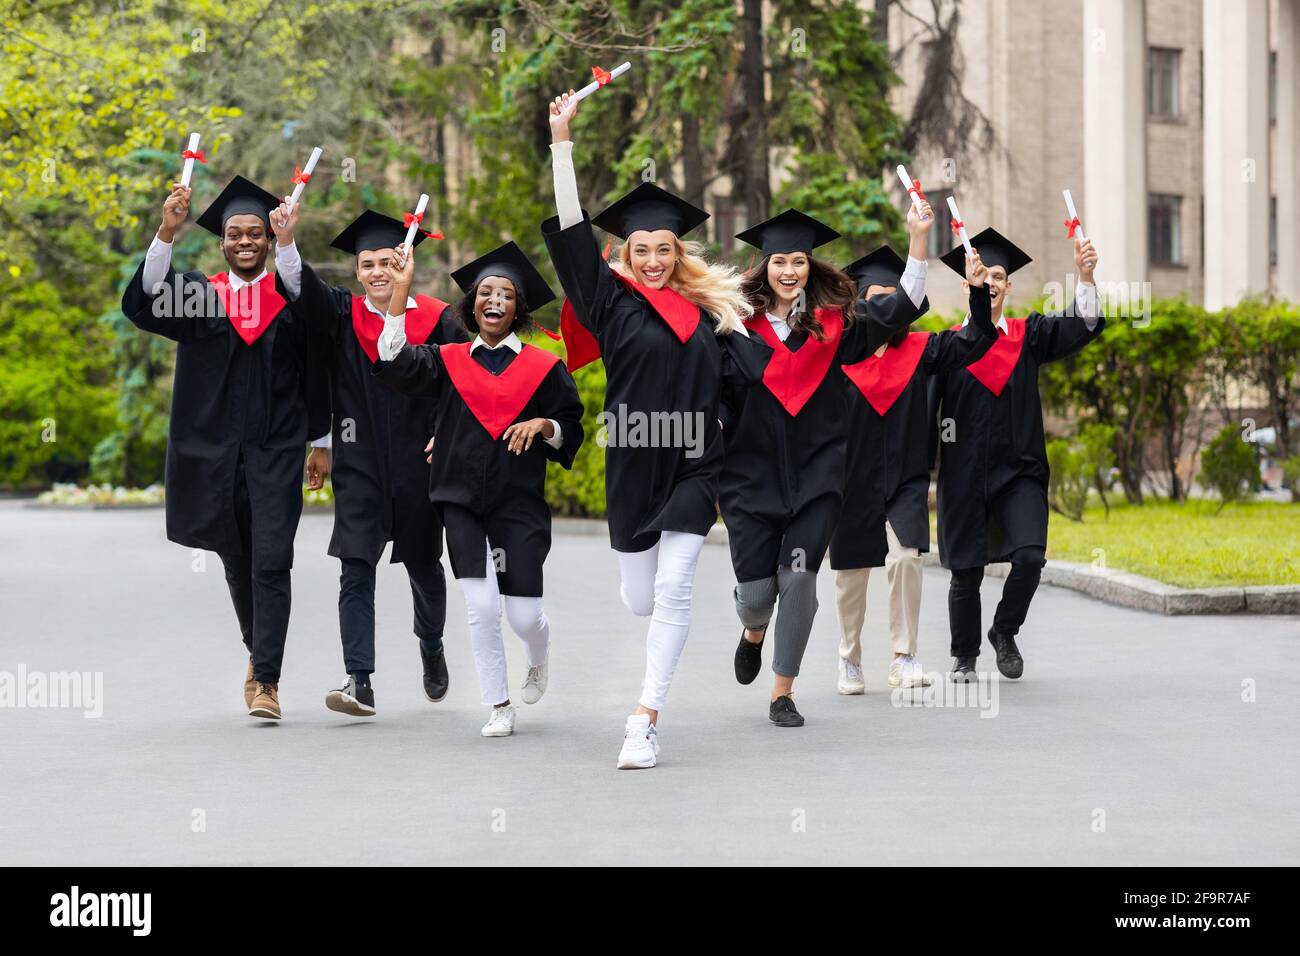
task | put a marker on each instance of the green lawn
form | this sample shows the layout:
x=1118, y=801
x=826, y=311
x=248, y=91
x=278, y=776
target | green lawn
x=1189, y=545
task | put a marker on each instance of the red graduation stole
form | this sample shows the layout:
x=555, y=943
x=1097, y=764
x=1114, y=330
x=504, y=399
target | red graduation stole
x=252, y=308
x=994, y=368
x=420, y=323
x=496, y=400
x=793, y=376
x=882, y=378
x=581, y=347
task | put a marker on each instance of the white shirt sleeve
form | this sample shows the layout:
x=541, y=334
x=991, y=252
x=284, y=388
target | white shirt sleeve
x=156, y=261
x=288, y=266
x=325, y=441
x=913, y=280
x=558, y=440
x=393, y=338
x=566, y=184
x=1085, y=304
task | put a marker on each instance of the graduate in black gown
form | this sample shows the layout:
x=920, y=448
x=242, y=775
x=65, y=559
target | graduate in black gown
x=886, y=515
x=668, y=327
x=377, y=449
x=244, y=386
x=987, y=425
x=782, y=480
x=505, y=409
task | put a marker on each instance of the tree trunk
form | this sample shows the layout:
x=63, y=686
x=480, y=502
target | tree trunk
x=756, y=188
x=692, y=160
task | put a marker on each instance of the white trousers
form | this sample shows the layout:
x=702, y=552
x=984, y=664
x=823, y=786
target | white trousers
x=527, y=619
x=658, y=584
x=903, y=572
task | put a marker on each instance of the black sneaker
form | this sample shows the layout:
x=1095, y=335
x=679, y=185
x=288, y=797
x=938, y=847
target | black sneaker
x=1010, y=664
x=353, y=699
x=782, y=712
x=749, y=658
x=963, y=670
x=436, y=680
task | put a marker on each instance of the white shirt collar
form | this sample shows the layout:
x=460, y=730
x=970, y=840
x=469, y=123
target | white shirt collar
x=237, y=283
x=779, y=325
x=410, y=304
x=1002, y=323
x=511, y=342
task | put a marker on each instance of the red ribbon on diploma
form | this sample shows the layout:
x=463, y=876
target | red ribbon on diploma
x=957, y=227
x=602, y=76
x=410, y=217
x=1071, y=225
x=300, y=177
x=916, y=188
x=194, y=154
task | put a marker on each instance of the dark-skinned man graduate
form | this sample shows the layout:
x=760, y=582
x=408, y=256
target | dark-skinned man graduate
x=378, y=448
x=988, y=422
x=244, y=386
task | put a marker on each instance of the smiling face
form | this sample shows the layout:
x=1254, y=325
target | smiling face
x=787, y=275
x=373, y=272
x=999, y=284
x=495, y=307
x=651, y=256
x=245, y=243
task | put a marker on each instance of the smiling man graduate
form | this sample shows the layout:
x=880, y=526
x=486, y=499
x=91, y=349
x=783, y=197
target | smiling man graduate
x=992, y=487
x=244, y=385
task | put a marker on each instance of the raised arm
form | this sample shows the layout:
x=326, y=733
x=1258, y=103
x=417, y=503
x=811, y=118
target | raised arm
x=582, y=270
x=957, y=348
x=877, y=320
x=153, y=300
x=1058, y=334
x=409, y=369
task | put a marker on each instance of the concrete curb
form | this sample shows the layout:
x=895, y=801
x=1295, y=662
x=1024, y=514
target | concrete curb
x=1105, y=584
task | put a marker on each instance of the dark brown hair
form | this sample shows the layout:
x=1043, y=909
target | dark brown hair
x=827, y=288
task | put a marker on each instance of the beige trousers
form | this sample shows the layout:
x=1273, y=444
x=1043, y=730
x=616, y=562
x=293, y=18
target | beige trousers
x=903, y=572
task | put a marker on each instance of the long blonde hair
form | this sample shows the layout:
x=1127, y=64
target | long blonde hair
x=712, y=286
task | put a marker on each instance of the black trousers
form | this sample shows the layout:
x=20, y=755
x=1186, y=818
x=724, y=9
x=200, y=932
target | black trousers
x=357, y=608
x=261, y=598
x=964, y=601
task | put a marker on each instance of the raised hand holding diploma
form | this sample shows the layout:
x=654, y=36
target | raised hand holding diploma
x=284, y=220
x=976, y=270
x=563, y=108
x=601, y=78
x=192, y=152
x=1085, y=258
x=959, y=227
x=913, y=187
x=176, y=208
x=302, y=176
x=402, y=271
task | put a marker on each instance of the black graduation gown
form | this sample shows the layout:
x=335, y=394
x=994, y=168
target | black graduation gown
x=661, y=471
x=992, y=486
x=231, y=398
x=785, y=437
x=378, y=462
x=887, y=471
x=481, y=489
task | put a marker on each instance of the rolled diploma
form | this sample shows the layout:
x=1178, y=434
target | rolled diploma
x=307, y=171
x=594, y=85
x=188, y=169
x=907, y=184
x=415, y=226
x=1069, y=205
x=961, y=233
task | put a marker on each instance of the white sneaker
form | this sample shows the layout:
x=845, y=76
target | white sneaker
x=851, y=681
x=534, y=685
x=906, y=671
x=501, y=723
x=640, y=744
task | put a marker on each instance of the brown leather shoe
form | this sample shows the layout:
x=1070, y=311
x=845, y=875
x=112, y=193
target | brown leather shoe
x=266, y=703
x=250, y=686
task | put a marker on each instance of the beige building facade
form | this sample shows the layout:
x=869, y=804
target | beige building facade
x=1180, y=153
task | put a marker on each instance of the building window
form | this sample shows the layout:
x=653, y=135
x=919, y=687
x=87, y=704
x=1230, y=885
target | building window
x=1162, y=82
x=940, y=238
x=1165, y=230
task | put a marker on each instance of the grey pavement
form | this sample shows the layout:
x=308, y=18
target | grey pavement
x=1132, y=739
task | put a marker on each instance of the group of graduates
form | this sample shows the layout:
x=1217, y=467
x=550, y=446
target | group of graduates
x=817, y=414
